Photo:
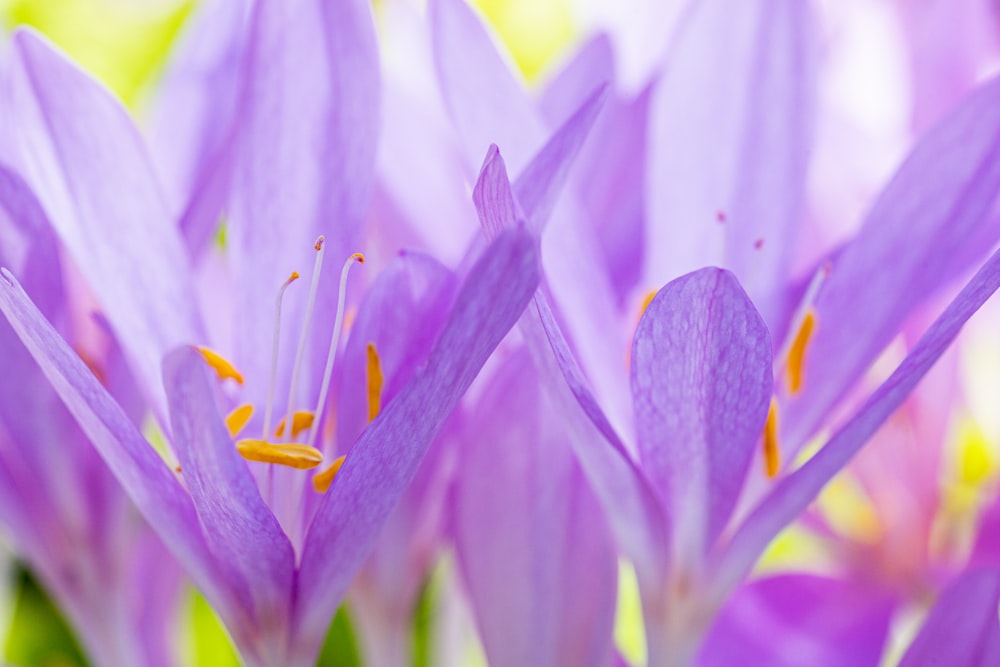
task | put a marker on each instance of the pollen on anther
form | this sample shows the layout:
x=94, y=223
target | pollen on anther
x=291, y=454
x=795, y=367
x=301, y=420
x=323, y=480
x=237, y=420
x=772, y=456
x=222, y=367
x=373, y=375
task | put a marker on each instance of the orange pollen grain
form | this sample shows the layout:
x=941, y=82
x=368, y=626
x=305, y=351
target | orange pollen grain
x=373, y=373
x=795, y=368
x=291, y=454
x=237, y=420
x=323, y=480
x=772, y=457
x=301, y=420
x=220, y=365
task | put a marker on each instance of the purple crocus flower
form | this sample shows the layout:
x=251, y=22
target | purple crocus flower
x=61, y=507
x=276, y=563
x=690, y=560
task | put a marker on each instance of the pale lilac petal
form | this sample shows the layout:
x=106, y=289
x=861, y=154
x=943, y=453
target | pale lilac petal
x=730, y=126
x=935, y=206
x=139, y=469
x=701, y=386
x=800, y=619
x=86, y=160
x=487, y=103
x=192, y=118
x=636, y=518
x=531, y=541
x=238, y=525
x=792, y=494
x=304, y=167
x=385, y=458
x=592, y=66
x=962, y=627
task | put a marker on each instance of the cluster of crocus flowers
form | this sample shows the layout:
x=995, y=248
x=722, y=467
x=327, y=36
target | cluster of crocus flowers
x=617, y=355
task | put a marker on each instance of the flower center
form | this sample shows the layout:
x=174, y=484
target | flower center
x=271, y=447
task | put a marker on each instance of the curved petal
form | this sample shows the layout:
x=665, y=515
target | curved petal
x=531, y=541
x=934, y=207
x=145, y=477
x=238, y=525
x=385, y=458
x=730, y=126
x=800, y=619
x=792, y=494
x=701, y=386
x=87, y=162
x=962, y=628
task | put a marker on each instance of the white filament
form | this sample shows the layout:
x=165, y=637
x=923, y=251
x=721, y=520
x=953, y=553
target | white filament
x=304, y=335
x=274, y=353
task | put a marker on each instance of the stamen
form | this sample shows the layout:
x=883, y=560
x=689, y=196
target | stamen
x=334, y=342
x=373, y=372
x=291, y=454
x=238, y=418
x=648, y=299
x=795, y=367
x=320, y=248
x=220, y=365
x=274, y=352
x=772, y=457
x=323, y=480
x=301, y=420
x=792, y=354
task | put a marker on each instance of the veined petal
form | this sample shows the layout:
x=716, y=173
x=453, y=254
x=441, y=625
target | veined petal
x=800, y=619
x=729, y=133
x=152, y=487
x=531, y=540
x=592, y=66
x=239, y=527
x=792, y=494
x=701, y=386
x=631, y=506
x=309, y=113
x=962, y=627
x=87, y=162
x=487, y=103
x=385, y=458
x=934, y=207
x=191, y=125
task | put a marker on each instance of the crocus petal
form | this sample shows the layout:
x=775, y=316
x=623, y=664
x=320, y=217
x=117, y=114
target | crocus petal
x=487, y=104
x=935, y=205
x=385, y=458
x=239, y=526
x=793, y=493
x=962, y=627
x=632, y=508
x=701, y=386
x=730, y=133
x=530, y=538
x=593, y=65
x=308, y=113
x=191, y=121
x=142, y=473
x=800, y=619
x=87, y=162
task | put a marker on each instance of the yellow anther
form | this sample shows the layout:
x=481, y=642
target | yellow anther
x=220, y=365
x=323, y=480
x=291, y=454
x=772, y=457
x=373, y=373
x=238, y=418
x=648, y=299
x=301, y=420
x=795, y=367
